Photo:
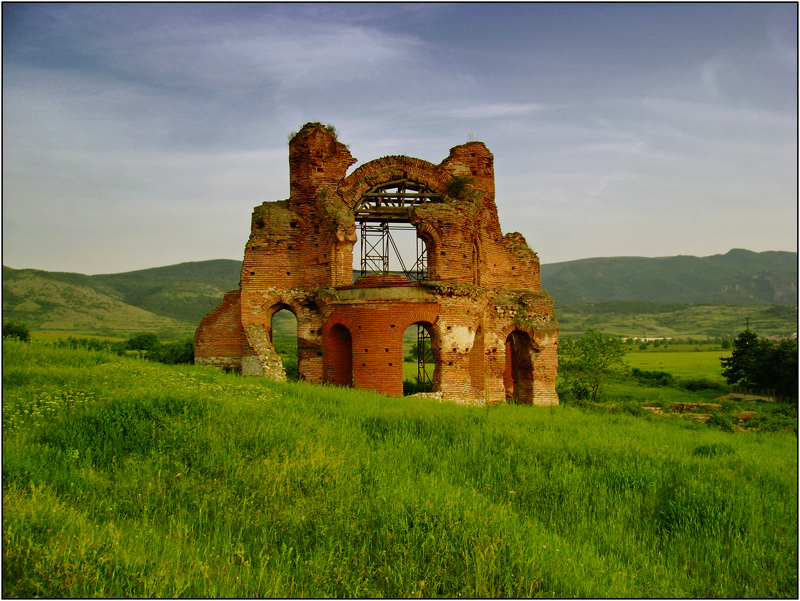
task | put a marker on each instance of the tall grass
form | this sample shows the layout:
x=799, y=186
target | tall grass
x=128, y=478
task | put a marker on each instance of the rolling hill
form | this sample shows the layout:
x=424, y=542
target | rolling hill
x=739, y=277
x=170, y=301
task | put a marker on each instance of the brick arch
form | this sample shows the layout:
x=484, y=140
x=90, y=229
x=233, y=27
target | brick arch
x=430, y=316
x=338, y=319
x=337, y=351
x=511, y=326
x=518, y=373
x=387, y=169
x=430, y=232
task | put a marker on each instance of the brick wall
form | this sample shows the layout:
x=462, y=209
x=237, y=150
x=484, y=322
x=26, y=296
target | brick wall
x=483, y=288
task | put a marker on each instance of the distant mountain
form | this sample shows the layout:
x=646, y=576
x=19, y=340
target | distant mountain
x=735, y=278
x=172, y=300
x=46, y=301
x=169, y=301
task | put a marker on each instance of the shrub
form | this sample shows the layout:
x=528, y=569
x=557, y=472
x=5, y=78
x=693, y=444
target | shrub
x=143, y=342
x=721, y=421
x=698, y=384
x=17, y=330
x=652, y=378
x=174, y=353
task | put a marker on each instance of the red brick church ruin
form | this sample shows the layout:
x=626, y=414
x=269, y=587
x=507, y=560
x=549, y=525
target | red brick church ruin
x=474, y=293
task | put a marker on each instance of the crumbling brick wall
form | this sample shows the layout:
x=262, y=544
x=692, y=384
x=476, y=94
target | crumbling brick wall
x=494, y=335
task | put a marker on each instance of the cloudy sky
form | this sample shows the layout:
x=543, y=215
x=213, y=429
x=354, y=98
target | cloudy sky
x=142, y=135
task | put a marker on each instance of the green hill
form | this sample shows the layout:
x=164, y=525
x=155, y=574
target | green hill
x=641, y=296
x=60, y=302
x=739, y=277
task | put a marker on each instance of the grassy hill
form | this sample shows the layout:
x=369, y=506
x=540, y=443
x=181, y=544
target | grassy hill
x=636, y=296
x=58, y=302
x=123, y=478
x=168, y=301
x=738, y=277
x=646, y=319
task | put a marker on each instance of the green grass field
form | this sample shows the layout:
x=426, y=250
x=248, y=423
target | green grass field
x=682, y=363
x=123, y=478
x=683, y=321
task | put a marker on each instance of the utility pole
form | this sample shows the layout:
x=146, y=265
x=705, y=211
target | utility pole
x=747, y=323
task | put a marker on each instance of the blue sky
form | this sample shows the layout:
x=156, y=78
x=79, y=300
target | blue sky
x=141, y=135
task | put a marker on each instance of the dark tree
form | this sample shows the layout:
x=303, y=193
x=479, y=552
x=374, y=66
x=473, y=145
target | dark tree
x=16, y=329
x=143, y=342
x=759, y=363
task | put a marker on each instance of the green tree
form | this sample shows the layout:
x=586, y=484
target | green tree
x=590, y=362
x=16, y=329
x=758, y=363
x=143, y=342
x=414, y=352
x=784, y=364
x=744, y=366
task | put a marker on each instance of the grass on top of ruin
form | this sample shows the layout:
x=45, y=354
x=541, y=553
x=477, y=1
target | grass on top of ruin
x=123, y=478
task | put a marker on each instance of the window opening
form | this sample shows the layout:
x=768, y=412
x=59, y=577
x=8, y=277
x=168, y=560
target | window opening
x=382, y=211
x=379, y=249
x=418, y=360
x=284, y=341
x=424, y=358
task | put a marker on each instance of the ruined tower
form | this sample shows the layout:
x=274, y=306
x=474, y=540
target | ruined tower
x=475, y=293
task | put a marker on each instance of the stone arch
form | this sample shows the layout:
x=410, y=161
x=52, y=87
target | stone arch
x=436, y=351
x=433, y=242
x=270, y=314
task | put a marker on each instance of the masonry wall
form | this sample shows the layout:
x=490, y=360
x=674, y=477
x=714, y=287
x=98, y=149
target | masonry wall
x=482, y=285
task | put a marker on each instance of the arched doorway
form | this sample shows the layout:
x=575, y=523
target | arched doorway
x=518, y=373
x=339, y=356
x=420, y=367
x=283, y=336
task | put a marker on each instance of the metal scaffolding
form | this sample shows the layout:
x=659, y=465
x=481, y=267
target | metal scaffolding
x=377, y=244
x=424, y=356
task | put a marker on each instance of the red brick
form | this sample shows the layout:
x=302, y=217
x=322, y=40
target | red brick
x=483, y=287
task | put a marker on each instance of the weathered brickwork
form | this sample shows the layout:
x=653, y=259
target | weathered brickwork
x=493, y=332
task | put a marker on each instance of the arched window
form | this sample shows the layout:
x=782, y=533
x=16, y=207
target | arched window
x=420, y=368
x=283, y=335
x=518, y=373
x=389, y=243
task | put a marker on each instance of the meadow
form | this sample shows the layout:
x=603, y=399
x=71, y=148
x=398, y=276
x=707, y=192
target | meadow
x=682, y=363
x=124, y=478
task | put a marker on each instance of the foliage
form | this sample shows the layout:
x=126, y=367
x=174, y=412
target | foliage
x=759, y=363
x=17, y=330
x=458, y=187
x=652, y=378
x=414, y=351
x=721, y=421
x=173, y=353
x=590, y=362
x=143, y=342
x=123, y=478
